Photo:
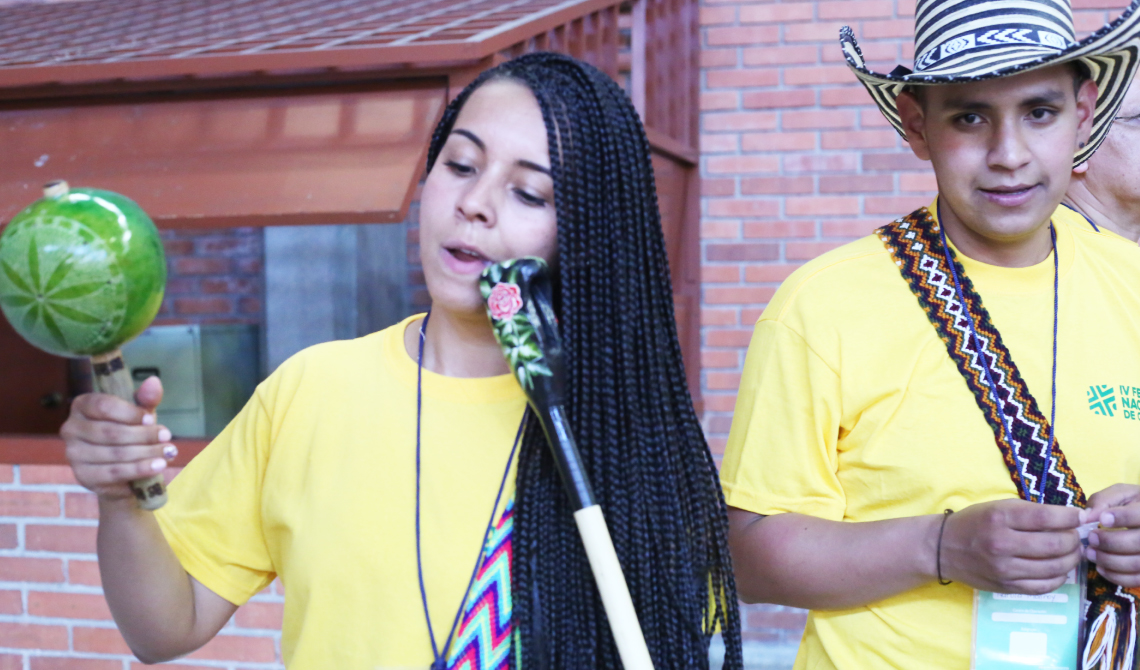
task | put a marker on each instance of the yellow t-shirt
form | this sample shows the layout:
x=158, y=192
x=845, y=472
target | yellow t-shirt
x=314, y=482
x=850, y=409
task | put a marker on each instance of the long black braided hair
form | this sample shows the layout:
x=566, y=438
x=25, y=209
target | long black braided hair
x=627, y=401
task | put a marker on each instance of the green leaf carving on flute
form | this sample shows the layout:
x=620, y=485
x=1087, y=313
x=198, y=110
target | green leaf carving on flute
x=514, y=332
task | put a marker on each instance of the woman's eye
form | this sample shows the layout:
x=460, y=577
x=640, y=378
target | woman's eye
x=459, y=168
x=530, y=198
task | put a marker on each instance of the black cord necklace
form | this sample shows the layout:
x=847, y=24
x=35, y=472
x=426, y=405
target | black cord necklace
x=440, y=656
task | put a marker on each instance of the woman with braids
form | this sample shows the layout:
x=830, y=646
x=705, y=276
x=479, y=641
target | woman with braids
x=395, y=483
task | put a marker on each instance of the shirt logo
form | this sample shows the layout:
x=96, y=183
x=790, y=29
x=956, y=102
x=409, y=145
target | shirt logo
x=1102, y=400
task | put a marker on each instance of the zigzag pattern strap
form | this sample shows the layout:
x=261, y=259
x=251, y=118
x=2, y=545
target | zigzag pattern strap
x=483, y=640
x=916, y=246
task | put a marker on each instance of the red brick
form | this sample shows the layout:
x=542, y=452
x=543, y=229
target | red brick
x=856, y=183
x=47, y=474
x=742, y=35
x=172, y=666
x=906, y=7
x=719, y=230
x=230, y=285
x=85, y=573
x=712, y=16
x=779, y=99
x=33, y=636
x=754, y=251
x=720, y=359
x=22, y=569
x=178, y=247
x=716, y=446
x=893, y=162
x=828, y=33
x=778, y=141
x=729, y=337
x=711, y=100
x=727, y=381
x=815, y=75
x=873, y=118
x=808, y=250
x=73, y=663
x=29, y=503
x=713, y=121
x=717, y=57
x=7, y=474
x=718, y=186
x=8, y=537
x=874, y=30
x=99, y=640
x=844, y=96
x=68, y=605
x=818, y=119
x=81, y=505
x=248, y=266
x=750, y=207
x=923, y=182
x=739, y=295
x=195, y=265
x=776, y=185
x=260, y=615
x=719, y=425
x=848, y=10
x=750, y=314
x=242, y=648
x=192, y=306
x=821, y=206
x=881, y=56
x=845, y=162
x=719, y=143
x=230, y=245
x=858, y=139
x=768, y=273
x=720, y=274
x=64, y=539
x=777, y=13
x=716, y=317
x=741, y=164
x=798, y=54
x=775, y=229
x=181, y=285
x=850, y=227
x=248, y=305
x=11, y=662
x=747, y=78
x=11, y=602
x=894, y=206
x=720, y=402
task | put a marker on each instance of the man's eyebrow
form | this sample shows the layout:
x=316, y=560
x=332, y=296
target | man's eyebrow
x=471, y=136
x=534, y=166
x=1053, y=97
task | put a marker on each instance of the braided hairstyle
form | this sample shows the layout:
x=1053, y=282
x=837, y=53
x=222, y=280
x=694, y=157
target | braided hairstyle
x=626, y=398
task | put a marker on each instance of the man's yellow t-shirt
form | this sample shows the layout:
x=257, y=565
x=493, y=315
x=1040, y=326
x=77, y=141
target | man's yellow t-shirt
x=850, y=409
x=314, y=482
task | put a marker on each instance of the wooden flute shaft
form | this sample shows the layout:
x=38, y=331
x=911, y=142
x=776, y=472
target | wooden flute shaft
x=613, y=589
x=110, y=375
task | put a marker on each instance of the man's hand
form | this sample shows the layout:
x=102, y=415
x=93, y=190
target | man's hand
x=1115, y=546
x=1013, y=546
x=109, y=441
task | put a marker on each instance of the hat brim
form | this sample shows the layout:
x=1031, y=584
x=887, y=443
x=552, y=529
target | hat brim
x=1111, y=54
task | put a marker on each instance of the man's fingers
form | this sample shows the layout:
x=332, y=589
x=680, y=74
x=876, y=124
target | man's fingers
x=104, y=455
x=1035, y=587
x=94, y=476
x=1121, y=517
x=104, y=407
x=1125, y=579
x=1044, y=545
x=106, y=433
x=1116, y=495
x=1020, y=569
x=1027, y=516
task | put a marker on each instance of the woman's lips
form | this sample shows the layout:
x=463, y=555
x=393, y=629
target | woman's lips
x=463, y=261
x=1013, y=196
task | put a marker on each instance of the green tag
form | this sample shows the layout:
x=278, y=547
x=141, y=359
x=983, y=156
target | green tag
x=1019, y=631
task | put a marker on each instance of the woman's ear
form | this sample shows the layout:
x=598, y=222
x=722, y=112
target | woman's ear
x=914, y=123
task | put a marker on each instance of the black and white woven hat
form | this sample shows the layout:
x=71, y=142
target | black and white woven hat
x=958, y=41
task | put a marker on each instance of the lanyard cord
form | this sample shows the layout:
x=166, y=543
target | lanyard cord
x=986, y=364
x=1094, y=226
x=440, y=657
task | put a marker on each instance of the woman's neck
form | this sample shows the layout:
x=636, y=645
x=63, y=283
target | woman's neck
x=457, y=345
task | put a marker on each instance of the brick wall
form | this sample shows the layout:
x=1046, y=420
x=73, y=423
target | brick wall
x=795, y=160
x=214, y=276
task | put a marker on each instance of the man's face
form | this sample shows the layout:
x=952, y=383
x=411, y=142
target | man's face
x=1114, y=170
x=1002, y=149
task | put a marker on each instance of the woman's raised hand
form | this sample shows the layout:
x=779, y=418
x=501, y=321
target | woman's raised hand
x=109, y=441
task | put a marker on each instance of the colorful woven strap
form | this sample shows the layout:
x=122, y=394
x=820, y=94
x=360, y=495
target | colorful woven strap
x=916, y=246
x=483, y=640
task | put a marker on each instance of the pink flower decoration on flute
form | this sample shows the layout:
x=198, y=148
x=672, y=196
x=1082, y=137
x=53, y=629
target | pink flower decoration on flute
x=505, y=301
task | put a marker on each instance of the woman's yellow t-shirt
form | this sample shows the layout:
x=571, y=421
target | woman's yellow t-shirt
x=314, y=482
x=850, y=409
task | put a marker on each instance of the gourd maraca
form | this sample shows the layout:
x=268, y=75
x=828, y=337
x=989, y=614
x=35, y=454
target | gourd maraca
x=82, y=272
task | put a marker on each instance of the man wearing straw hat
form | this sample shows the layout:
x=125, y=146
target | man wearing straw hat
x=910, y=400
x=1106, y=188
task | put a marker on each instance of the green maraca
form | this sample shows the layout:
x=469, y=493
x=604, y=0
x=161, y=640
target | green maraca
x=82, y=272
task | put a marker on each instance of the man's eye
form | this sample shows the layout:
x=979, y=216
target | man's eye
x=530, y=198
x=1041, y=114
x=970, y=119
x=460, y=168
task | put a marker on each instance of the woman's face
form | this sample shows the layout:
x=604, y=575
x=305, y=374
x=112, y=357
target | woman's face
x=489, y=196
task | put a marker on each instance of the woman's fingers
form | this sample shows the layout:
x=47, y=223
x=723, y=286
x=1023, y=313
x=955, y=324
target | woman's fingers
x=103, y=407
x=94, y=476
x=105, y=455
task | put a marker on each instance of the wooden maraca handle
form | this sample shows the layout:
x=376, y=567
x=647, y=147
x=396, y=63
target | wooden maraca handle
x=111, y=376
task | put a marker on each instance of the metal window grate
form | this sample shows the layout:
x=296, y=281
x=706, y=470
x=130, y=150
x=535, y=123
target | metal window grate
x=124, y=31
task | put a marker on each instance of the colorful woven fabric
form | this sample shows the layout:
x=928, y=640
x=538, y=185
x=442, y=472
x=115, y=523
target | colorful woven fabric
x=483, y=639
x=916, y=246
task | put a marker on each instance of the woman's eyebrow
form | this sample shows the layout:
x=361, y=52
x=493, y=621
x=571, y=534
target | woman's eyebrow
x=534, y=166
x=471, y=136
